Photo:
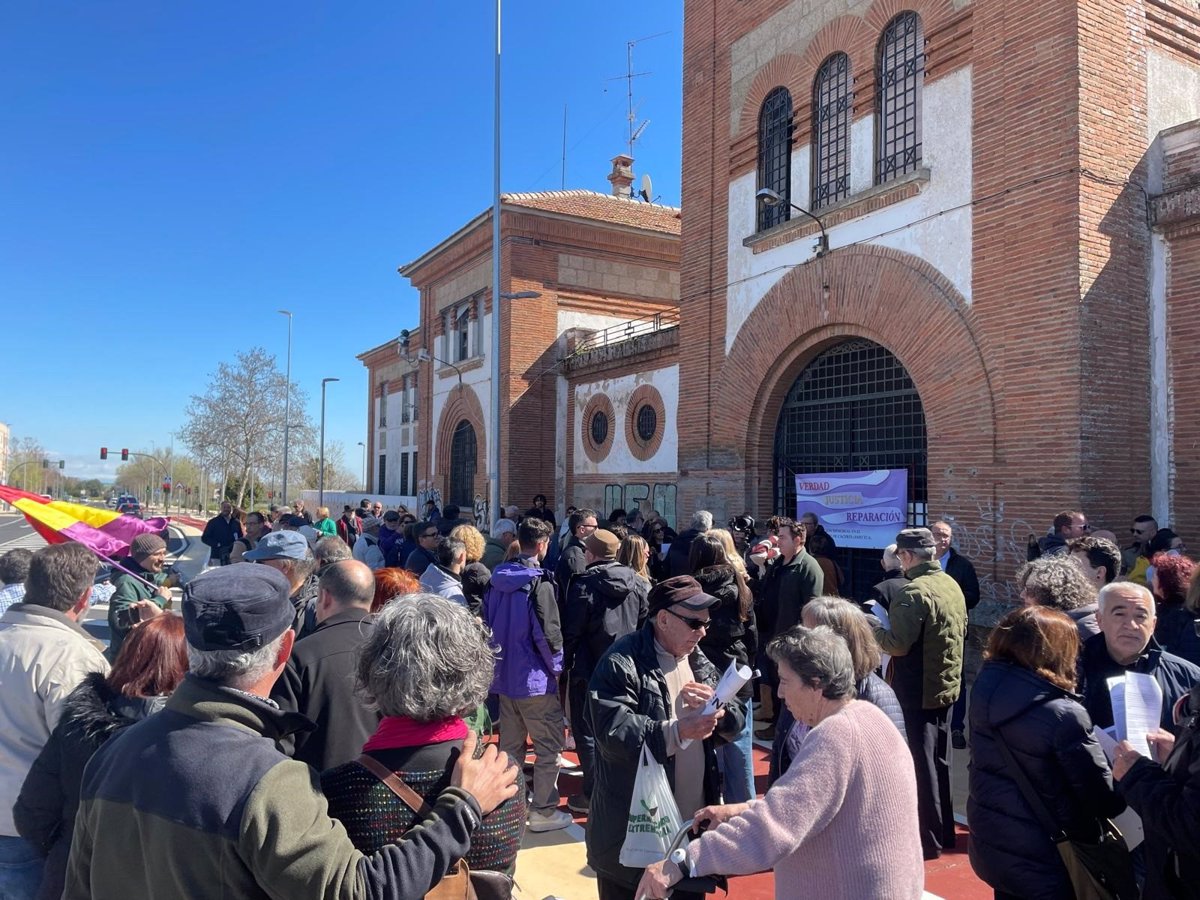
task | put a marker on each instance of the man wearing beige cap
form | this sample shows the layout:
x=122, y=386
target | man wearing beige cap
x=606, y=602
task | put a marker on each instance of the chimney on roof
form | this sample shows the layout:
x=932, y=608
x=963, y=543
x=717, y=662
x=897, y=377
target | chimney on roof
x=621, y=177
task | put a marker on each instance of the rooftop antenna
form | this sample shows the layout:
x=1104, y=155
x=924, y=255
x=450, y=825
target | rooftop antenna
x=635, y=129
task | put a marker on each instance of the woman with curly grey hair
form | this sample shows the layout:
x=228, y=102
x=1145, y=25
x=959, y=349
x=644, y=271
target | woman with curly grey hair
x=1059, y=583
x=426, y=663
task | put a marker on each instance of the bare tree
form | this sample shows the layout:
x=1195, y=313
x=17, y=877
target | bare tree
x=338, y=477
x=235, y=429
x=25, y=471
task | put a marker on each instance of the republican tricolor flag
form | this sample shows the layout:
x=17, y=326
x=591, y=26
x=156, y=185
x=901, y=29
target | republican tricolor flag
x=103, y=531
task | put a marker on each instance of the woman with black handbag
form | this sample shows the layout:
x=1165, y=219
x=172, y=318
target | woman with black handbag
x=1040, y=787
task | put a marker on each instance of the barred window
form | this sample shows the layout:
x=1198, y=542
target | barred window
x=831, y=131
x=899, y=72
x=775, y=155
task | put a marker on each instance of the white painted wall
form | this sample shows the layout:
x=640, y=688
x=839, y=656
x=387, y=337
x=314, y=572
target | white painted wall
x=943, y=241
x=569, y=318
x=1172, y=92
x=620, y=459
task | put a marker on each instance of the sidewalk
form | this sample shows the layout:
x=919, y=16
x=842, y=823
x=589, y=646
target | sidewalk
x=554, y=864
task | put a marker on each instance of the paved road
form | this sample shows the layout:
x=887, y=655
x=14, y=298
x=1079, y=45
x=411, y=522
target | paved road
x=15, y=531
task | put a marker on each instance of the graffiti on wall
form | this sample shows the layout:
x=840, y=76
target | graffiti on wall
x=426, y=493
x=994, y=537
x=634, y=495
x=480, y=510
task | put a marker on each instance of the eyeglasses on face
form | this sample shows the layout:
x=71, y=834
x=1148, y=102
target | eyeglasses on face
x=429, y=534
x=694, y=624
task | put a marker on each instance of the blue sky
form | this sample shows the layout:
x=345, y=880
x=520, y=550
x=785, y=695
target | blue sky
x=171, y=174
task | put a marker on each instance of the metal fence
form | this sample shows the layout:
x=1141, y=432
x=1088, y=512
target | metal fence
x=616, y=334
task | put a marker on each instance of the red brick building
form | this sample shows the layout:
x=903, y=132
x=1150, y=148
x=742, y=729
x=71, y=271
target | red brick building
x=1010, y=284
x=603, y=265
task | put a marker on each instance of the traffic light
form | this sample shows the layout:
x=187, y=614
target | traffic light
x=45, y=463
x=124, y=455
x=62, y=463
x=104, y=453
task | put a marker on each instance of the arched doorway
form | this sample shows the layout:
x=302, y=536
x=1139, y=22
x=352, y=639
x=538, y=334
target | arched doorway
x=853, y=408
x=462, y=466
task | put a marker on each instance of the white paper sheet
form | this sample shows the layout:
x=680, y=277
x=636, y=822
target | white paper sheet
x=1116, y=693
x=882, y=615
x=732, y=680
x=1143, y=709
x=1130, y=824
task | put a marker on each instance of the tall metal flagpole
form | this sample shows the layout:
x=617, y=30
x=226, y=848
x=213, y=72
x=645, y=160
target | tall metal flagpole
x=287, y=406
x=494, y=435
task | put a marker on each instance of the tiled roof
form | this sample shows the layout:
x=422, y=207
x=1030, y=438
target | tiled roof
x=601, y=207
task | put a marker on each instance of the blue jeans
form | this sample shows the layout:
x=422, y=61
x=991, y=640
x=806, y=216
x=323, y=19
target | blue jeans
x=736, y=761
x=20, y=869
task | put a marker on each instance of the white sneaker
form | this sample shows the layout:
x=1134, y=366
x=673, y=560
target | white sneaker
x=549, y=821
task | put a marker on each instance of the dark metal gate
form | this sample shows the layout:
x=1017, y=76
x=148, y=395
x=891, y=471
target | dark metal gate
x=462, y=466
x=854, y=408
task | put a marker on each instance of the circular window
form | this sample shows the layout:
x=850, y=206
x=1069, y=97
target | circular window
x=647, y=423
x=599, y=428
x=596, y=427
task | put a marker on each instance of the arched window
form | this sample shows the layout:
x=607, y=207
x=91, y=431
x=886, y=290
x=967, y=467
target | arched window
x=831, y=131
x=899, y=72
x=775, y=155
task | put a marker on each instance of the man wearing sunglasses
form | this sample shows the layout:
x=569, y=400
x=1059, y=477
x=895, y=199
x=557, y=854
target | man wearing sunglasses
x=426, y=553
x=650, y=689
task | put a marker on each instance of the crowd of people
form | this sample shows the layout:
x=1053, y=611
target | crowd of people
x=314, y=718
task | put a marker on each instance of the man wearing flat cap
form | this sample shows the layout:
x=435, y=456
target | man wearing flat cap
x=606, y=602
x=193, y=802
x=650, y=688
x=288, y=552
x=925, y=636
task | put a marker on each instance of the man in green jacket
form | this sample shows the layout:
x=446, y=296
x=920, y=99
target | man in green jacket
x=925, y=633
x=143, y=589
x=800, y=576
x=193, y=802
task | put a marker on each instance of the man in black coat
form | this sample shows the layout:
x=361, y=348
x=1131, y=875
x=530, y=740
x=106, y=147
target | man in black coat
x=318, y=681
x=961, y=570
x=650, y=689
x=1126, y=644
x=678, y=557
x=220, y=533
x=606, y=602
x=571, y=562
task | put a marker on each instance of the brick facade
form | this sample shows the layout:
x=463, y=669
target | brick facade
x=1025, y=325
x=595, y=260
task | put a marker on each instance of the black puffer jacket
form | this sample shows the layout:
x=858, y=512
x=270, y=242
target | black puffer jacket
x=1050, y=735
x=872, y=689
x=627, y=705
x=606, y=602
x=727, y=637
x=1168, y=800
x=475, y=580
x=45, y=810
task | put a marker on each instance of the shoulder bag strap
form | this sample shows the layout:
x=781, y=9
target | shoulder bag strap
x=1031, y=796
x=411, y=798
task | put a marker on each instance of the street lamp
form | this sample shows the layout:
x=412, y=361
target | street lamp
x=287, y=403
x=768, y=197
x=364, y=465
x=321, y=471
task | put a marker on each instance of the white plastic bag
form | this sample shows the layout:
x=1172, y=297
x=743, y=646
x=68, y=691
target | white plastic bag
x=653, y=816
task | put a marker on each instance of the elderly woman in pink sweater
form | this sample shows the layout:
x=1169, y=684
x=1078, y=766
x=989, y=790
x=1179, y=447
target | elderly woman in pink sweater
x=841, y=823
